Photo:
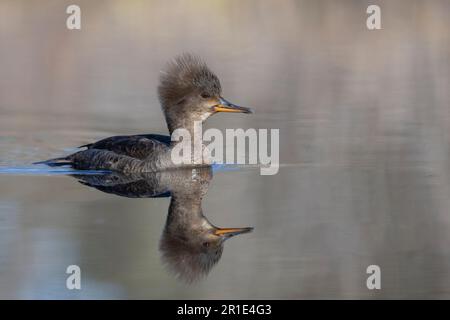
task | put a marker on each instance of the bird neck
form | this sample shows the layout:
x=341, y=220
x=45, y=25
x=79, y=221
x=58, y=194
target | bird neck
x=186, y=132
x=186, y=123
x=186, y=128
x=184, y=211
x=183, y=116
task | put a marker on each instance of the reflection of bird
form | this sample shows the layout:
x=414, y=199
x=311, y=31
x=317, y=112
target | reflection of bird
x=190, y=245
x=189, y=91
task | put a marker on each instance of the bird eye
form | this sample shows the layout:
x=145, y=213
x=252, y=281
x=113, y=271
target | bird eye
x=205, y=244
x=205, y=96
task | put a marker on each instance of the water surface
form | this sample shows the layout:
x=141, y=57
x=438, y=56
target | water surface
x=364, y=126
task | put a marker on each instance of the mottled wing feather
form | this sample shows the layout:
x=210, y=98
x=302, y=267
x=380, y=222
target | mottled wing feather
x=137, y=146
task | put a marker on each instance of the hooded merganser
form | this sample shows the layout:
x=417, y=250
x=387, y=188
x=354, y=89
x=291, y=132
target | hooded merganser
x=190, y=245
x=188, y=92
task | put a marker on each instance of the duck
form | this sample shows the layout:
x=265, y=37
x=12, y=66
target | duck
x=189, y=93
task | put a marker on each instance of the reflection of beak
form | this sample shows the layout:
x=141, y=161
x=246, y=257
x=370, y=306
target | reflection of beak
x=226, y=106
x=230, y=232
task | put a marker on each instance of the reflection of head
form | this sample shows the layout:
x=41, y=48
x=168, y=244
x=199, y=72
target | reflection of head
x=191, y=247
x=190, y=253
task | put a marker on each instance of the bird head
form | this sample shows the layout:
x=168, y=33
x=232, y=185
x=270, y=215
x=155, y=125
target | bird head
x=189, y=91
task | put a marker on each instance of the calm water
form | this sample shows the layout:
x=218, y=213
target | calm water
x=364, y=126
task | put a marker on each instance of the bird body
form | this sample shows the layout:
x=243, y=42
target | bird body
x=137, y=153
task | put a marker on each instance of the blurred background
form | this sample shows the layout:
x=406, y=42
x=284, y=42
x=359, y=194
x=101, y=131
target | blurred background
x=364, y=125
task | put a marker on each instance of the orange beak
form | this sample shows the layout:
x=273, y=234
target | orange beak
x=226, y=106
x=230, y=232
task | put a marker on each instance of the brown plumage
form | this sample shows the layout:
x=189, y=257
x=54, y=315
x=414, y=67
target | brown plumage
x=188, y=91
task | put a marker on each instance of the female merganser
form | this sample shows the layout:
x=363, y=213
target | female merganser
x=189, y=92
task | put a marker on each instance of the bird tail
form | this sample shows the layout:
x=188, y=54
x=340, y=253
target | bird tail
x=56, y=162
